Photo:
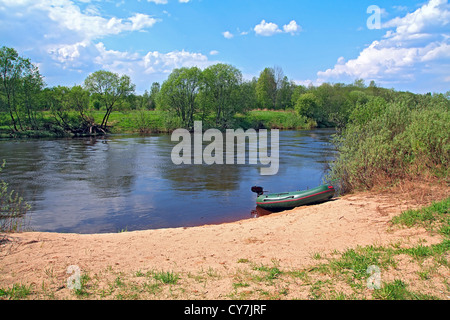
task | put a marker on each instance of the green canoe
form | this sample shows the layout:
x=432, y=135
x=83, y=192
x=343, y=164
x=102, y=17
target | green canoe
x=289, y=200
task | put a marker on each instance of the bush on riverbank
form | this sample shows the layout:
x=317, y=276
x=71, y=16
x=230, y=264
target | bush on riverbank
x=12, y=208
x=386, y=142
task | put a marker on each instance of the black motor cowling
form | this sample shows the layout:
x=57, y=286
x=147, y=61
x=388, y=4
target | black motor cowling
x=258, y=190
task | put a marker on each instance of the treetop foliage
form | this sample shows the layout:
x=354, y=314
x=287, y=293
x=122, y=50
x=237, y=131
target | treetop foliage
x=215, y=95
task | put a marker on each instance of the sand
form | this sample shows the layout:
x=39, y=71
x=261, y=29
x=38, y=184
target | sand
x=290, y=238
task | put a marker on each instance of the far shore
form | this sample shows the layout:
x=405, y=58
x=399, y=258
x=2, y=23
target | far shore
x=209, y=260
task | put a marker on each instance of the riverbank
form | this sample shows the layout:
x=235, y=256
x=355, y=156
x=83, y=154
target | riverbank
x=288, y=255
x=154, y=121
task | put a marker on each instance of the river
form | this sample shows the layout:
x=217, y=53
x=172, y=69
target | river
x=128, y=182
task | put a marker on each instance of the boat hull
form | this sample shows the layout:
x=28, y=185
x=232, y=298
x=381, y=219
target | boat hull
x=289, y=200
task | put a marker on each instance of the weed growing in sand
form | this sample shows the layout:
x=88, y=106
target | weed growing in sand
x=83, y=292
x=397, y=290
x=16, y=292
x=166, y=277
x=435, y=215
x=352, y=265
x=358, y=260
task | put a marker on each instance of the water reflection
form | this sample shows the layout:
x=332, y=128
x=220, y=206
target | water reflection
x=260, y=212
x=91, y=185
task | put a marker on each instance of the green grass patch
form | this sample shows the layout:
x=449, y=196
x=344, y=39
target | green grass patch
x=435, y=215
x=398, y=290
x=357, y=261
x=166, y=277
x=270, y=119
x=16, y=292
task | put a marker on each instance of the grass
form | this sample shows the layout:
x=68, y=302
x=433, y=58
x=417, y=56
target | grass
x=155, y=121
x=166, y=277
x=436, y=215
x=406, y=272
x=397, y=290
x=16, y=292
x=270, y=119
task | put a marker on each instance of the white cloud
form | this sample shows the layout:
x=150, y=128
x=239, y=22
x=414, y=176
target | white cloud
x=292, y=27
x=228, y=34
x=68, y=52
x=60, y=35
x=69, y=17
x=141, y=21
x=117, y=61
x=430, y=17
x=71, y=22
x=63, y=31
x=141, y=67
x=214, y=52
x=165, y=62
x=183, y=1
x=266, y=29
x=418, y=43
x=158, y=1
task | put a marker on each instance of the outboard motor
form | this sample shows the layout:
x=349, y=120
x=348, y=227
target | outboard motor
x=258, y=190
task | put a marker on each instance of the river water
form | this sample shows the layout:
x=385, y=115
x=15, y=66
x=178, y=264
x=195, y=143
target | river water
x=123, y=182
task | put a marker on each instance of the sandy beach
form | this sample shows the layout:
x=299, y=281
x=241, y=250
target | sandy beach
x=290, y=239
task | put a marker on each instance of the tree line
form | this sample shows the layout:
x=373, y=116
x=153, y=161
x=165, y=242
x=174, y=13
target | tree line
x=214, y=95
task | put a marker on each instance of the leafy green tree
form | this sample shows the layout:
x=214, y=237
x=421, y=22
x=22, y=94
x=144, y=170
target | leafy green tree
x=79, y=101
x=58, y=100
x=296, y=93
x=109, y=88
x=154, y=91
x=16, y=75
x=69, y=107
x=266, y=89
x=178, y=94
x=32, y=84
x=284, y=94
x=364, y=112
x=307, y=105
x=247, y=97
x=220, y=87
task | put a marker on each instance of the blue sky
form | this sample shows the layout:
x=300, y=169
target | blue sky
x=312, y=41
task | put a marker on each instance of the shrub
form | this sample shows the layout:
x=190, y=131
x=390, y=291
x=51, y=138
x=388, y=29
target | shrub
x=12, y=207
x=388, y=142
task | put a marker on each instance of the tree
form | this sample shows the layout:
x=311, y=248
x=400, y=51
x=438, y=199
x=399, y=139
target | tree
x=266, y=89
x=220, y=86
x=307, y=105
x=79, y=101
x=247, y=97
x=154, y=91
x=296, y=93
x=57, y=99
x=32, y=84
x=284, y=94
x=69, y=107
x=179, y=94
x=109, y=88
x=13, y=70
